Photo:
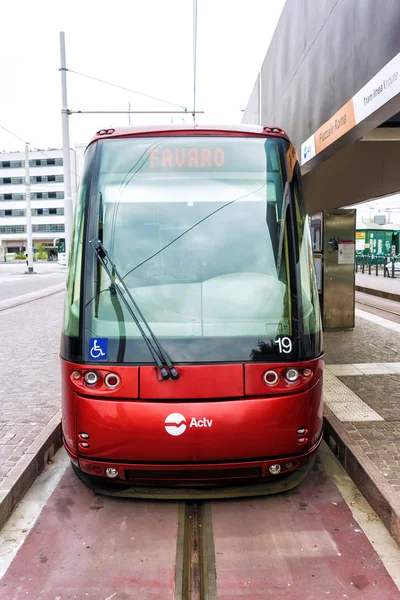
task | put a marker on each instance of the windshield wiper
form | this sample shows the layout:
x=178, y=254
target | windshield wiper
x=158, y=353
x=285, y=206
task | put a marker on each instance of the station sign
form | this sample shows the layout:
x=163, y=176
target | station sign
x=384, y=86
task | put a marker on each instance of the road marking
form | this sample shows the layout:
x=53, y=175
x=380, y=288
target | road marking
x=25, y=515
x=378, y=320
x=10, y=279
x=364, y=369
x=344, y=403
x=366, y=517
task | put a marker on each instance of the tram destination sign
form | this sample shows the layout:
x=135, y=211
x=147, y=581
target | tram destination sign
x=187, y=158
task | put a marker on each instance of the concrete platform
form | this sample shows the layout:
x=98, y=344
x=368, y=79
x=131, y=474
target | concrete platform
x=383, y=287
x=363, y=426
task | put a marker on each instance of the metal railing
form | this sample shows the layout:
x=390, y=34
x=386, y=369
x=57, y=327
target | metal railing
x=378, y=264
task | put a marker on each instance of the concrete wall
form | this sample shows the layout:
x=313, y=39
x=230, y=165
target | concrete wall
x=357, y=173
x=322, y=53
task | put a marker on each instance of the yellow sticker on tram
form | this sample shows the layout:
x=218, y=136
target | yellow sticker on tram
x=291, y=159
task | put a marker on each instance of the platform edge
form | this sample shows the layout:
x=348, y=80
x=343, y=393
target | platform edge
x=369, y=480
x=378, y=293
x=29, y=466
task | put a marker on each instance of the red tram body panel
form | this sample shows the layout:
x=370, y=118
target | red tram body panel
x=239, y=432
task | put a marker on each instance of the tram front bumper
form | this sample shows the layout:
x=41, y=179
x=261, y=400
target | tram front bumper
x=191, y=481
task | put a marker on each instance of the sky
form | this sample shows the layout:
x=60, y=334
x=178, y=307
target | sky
x=144, y=45
x=388, y=206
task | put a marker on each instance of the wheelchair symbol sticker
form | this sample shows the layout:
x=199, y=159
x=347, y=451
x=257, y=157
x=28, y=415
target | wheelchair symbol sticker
x=98, y=348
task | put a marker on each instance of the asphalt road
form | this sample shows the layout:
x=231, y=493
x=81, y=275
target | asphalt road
x=15, y=282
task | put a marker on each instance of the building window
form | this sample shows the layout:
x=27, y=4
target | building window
x=48, y=228
x=13, y=164
x=51, y=178
x=51, y=228
x=52, y=211
x=12, y=228
x=39, y=195
x=40, y=211
x=59, y=162
x=18, y=212
x=8, y=196
x=11, y=180
x=51, y=162
x=59, y=178
x=52, y=194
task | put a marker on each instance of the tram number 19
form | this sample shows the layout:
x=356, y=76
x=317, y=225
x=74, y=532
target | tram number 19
x=284, y=345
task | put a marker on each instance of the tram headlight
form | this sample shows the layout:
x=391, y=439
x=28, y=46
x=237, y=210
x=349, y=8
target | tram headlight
x=91, y=377
x=292, y=375
x=112, y=380
x=307, y=372
x=275, y=469
x=112, y=473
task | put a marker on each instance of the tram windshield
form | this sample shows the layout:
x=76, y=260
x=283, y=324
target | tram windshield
x=199, y=232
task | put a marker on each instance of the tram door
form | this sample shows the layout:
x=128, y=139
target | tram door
x=333, y=235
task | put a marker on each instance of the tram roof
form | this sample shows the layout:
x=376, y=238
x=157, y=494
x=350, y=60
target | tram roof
x=196, y=129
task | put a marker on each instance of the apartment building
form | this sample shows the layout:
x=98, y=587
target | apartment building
x=47, y=198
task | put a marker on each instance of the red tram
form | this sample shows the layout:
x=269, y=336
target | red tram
x=191, y=346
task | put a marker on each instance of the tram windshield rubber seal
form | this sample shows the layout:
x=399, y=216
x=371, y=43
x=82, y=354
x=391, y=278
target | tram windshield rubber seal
x=158, y=353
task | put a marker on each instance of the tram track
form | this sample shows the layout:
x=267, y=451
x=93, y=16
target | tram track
x=300, y=544
x=397, y=314
x=195, y=574
x=381, y=307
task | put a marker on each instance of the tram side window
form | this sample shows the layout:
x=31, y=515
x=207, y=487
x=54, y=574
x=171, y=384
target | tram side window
x=72, y=301
x=309, y=292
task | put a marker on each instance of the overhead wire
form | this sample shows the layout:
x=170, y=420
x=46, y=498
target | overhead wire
x=121, y=87
x=194, y=57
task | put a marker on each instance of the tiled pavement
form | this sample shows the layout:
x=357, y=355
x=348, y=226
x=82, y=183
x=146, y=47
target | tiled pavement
x=367, y=343
x=29, y=375
x=367, y=362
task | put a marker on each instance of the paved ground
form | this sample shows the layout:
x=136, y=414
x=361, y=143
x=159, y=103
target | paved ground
x=380, y=441
x=367, y=343
x=29, y=375
x=14, y=282
x=371, y=343
x=386, y=284
x=378, y=306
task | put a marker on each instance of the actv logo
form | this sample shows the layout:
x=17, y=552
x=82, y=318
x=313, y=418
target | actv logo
x=175, y=423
